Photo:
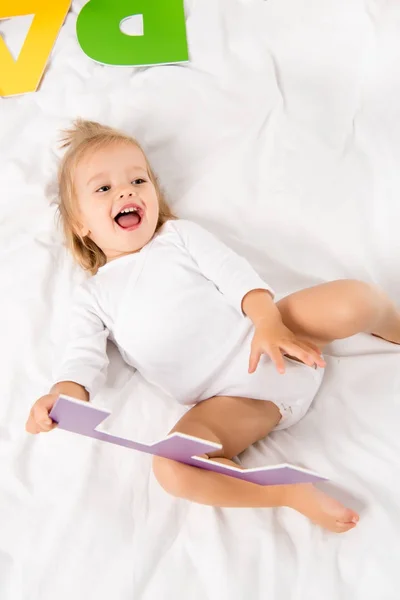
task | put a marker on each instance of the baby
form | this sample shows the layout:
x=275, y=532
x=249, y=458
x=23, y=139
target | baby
x=197, y=321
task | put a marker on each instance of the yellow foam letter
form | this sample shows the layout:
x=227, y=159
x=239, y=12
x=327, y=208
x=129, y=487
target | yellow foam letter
x=24, y=75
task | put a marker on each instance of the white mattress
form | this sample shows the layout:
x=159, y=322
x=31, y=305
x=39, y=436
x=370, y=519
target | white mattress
x=282, y=135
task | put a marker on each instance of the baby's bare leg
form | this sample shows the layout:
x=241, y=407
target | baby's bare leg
x=236, y=423
x=340, y=309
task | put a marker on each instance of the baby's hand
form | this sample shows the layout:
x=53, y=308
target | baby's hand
x=39, y=420
x=274, y=338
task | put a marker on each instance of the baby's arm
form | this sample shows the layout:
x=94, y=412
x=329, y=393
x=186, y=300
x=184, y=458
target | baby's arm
x=231, y=273
x=249, y=294
x=82, y=370
x=70, y=388
x=260, y=307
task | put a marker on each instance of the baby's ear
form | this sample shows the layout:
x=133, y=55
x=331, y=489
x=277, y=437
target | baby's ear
x=81, y=230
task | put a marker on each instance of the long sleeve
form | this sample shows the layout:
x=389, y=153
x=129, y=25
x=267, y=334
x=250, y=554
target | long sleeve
x=85, y=358
x=232, y=274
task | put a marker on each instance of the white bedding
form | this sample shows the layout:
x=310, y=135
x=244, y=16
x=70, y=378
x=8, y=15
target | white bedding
x=282, y=135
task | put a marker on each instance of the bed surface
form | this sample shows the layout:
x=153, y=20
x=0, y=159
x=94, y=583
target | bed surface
x=282, y=136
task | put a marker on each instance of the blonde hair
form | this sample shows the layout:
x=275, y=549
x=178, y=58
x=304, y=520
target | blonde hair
x=83, y=137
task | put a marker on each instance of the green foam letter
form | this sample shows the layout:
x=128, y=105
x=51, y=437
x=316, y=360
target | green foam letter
x=163, y=41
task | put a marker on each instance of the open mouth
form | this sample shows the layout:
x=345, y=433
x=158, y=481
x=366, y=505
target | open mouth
x=129, y=217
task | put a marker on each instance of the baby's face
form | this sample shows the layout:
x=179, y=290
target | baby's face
x=118, y=203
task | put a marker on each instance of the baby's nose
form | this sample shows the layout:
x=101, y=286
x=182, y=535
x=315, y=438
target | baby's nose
x=125, y=191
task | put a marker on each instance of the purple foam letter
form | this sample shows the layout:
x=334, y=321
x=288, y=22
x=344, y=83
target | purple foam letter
x=83, y=418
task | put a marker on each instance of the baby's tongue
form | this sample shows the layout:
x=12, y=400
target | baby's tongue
x=128, y=220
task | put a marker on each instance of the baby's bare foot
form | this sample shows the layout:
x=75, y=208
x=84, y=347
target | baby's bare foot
x=321, y=508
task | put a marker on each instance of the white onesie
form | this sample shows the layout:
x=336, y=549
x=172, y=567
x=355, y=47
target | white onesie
x=174, y=311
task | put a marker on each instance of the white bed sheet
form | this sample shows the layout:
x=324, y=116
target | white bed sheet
x=282, y=135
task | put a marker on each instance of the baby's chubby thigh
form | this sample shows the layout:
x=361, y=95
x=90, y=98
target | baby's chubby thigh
x=293, y=392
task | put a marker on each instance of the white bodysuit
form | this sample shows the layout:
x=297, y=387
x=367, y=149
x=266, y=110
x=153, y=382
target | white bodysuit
x=174, y=311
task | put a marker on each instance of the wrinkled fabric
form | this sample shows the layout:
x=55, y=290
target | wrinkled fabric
x=281, y=136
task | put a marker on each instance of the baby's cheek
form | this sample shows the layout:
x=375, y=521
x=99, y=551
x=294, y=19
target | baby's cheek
x=101, y=227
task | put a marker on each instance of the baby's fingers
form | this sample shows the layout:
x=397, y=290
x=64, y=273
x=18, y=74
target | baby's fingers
x=45, y=428
x=314, y=353
x=39, y=420
x=46, y=425
x=298, y=351
x=276, y=356
x=30, y=425
x=41, y=415
x=255, y=356
x=33, y=426
x=313, y=347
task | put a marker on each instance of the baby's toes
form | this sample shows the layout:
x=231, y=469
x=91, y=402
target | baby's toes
x=348, y=516
x=347, y=520
x=343, y=527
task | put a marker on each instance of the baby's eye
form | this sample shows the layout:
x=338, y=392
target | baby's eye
x=103, y=188
x=138, y=181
